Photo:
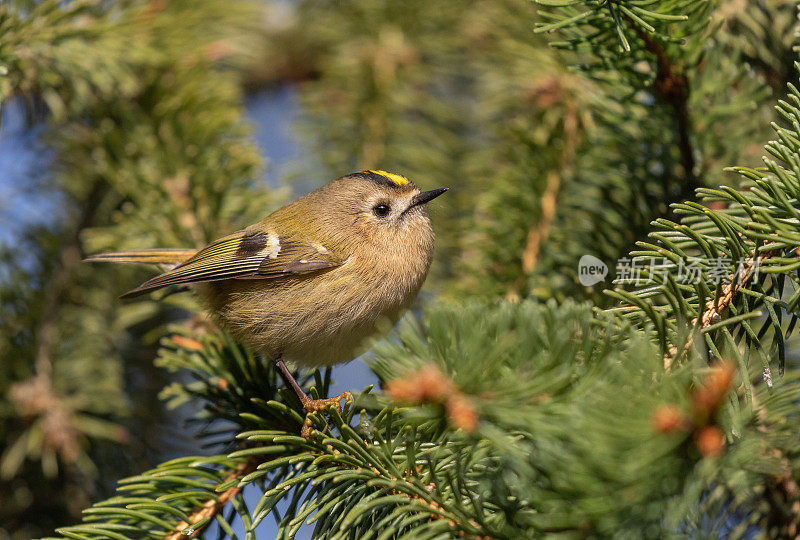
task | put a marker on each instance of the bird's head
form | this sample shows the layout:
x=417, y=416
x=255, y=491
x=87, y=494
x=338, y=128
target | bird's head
x=383, y=208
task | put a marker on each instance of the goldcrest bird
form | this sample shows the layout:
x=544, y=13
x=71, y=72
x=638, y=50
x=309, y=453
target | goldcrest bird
x=312, y=281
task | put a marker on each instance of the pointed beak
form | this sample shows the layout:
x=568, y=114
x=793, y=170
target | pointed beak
x=426, y=196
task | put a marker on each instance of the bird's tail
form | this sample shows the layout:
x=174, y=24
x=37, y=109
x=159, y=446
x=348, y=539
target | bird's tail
x=167, y=258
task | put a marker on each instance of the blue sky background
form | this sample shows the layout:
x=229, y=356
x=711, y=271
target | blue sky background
x=23, y=167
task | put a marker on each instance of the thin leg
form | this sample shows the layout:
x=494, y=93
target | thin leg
x=310, y=405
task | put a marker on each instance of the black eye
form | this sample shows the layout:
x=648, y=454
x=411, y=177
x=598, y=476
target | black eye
x=381, y=210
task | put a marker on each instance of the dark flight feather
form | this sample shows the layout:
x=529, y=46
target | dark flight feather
x=244, y=255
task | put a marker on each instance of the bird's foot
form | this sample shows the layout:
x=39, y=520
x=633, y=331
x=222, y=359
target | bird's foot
x=314, y=405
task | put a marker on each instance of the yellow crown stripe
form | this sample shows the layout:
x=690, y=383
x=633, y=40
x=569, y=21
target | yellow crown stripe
x=395, y=178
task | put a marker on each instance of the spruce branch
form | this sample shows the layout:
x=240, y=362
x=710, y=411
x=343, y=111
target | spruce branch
x=714, y=308
x=203, y=516
x=712, y=313
x=756, y=225
x=607, y=16
x=671, y=82
x=653, y=89
x=560, y=430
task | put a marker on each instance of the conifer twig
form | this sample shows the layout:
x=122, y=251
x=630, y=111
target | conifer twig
x=36, y=395
x=672, y=86
x=213, y=506
x=539, y=232
x=715, y=306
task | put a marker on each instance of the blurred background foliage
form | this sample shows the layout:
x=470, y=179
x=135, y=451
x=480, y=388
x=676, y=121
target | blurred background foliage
x=135, y=109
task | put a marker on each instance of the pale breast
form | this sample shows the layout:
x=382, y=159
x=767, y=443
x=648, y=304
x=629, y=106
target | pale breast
x=315, y=320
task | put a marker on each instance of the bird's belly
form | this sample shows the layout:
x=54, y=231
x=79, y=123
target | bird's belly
x=313, y=322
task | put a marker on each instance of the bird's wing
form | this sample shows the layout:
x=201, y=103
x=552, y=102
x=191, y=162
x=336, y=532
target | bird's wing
x=246, y=254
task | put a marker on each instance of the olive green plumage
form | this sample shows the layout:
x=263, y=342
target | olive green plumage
x=311, y=281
